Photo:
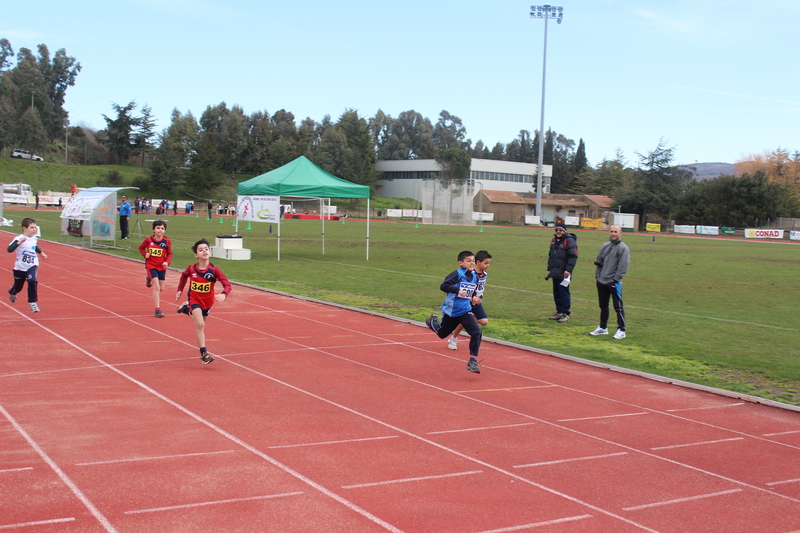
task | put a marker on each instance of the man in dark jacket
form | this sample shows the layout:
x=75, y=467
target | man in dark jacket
x=560, y=264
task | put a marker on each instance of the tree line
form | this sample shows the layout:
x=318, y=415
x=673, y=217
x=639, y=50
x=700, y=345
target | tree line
x=198, y=155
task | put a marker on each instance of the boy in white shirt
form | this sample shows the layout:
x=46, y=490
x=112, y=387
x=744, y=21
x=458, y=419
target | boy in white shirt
x=26, y=265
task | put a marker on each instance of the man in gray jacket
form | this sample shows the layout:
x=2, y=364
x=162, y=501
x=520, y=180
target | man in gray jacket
x=612, y=265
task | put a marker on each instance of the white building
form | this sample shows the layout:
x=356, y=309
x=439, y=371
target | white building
x=401, y=178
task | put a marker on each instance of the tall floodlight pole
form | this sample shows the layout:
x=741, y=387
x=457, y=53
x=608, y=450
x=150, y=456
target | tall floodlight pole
x=543, y=12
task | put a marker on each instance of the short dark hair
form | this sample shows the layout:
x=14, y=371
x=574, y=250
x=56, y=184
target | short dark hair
x=463, y=255
x=27, y=222
x=160, y=223
x=198, y=243
x=482, y=255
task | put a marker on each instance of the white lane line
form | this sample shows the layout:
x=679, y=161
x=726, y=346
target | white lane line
x=216, y=502
x=60, y=473
x=783, y=482
x=153, y=458
x=587, y=458
x=781, y=433
x=538, y=524
x=481, y=428
x=16, y=469
x=696, y=443
x=601, y=417
x=681, y=500
x=39, y=523
x=704, y=408
x=322, y=443
x=410, y=479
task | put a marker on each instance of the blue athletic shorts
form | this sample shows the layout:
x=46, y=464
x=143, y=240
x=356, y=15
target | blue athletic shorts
x=154, y=273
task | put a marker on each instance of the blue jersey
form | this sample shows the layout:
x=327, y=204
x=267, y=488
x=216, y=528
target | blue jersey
x=461, y=279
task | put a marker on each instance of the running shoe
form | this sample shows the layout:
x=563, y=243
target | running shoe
x=159, y=313
x=12, y=297
x=433, y=323
x=147, y=281
x=564, y=318
x=620, y=334
x=34, y=307
x=452, y=343
x=184, y=308
x=474, y=366
x=206, y=358
x=555, y=316
x=599, y=331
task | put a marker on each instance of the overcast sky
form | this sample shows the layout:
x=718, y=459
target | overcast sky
x=718, y=80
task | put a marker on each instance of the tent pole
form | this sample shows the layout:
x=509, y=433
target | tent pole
x=367, y=229
x=322, y=218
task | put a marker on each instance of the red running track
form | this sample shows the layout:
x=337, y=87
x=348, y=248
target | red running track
x=316, y=418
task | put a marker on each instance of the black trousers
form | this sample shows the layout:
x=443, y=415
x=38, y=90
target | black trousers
x=613, y=292
x=123, y=227
x=471, y=326
x=20, y=277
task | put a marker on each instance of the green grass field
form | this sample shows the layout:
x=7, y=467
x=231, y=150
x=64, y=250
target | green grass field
x=717, y=312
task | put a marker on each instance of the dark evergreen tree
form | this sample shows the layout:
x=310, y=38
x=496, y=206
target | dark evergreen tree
x=119, y=132
x=204, y=174
x=656, y=185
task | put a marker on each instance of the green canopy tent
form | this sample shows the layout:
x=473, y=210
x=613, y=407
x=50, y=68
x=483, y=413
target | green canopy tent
x=303, y=179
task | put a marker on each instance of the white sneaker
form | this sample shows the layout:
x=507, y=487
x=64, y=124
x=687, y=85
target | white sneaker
x=619, y=334
x=452, y=343
x=34, y=307
x=599, y=331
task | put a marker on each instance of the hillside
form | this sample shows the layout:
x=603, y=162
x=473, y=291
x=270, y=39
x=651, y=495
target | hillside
x=44, y=176
x=704, y=171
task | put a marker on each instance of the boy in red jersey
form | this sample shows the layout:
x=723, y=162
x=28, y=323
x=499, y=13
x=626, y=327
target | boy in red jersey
x=157, y=252
x=202, y=276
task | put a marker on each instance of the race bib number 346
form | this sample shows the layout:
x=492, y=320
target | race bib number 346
x=201, y=286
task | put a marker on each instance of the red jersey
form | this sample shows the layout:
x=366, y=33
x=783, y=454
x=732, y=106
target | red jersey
x=201, y=284
x=160, y=252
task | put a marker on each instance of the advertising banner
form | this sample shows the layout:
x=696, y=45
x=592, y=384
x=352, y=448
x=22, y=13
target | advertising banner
x=794, y=235
x=684, y=229
x=752, y=233
x=652, y=227
x=708, y=230
x=15, y=198
x=258, y=208
x=596, y=223
x=532, y=219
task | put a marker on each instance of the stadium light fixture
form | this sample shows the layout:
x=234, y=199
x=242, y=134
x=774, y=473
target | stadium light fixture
x=545, y=12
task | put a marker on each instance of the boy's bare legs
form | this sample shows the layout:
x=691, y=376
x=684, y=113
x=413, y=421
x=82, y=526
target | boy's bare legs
x=158, y=286
x=200, y=334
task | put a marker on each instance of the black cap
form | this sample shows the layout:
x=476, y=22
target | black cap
x=562, y=226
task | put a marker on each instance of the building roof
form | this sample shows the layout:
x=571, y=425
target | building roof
x=503, y=197
x=562, y=203
x=600, y=200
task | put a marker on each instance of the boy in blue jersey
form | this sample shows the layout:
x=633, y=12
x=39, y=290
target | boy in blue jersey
x=482, y=261
x=460, y=286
